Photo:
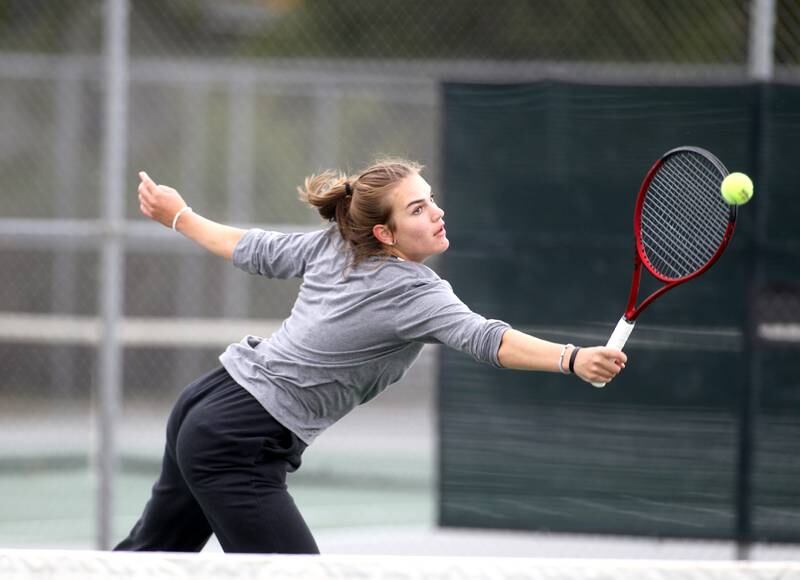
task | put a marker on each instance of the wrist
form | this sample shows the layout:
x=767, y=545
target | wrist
x=572, y=358
x=563, y=357
x=178, y=214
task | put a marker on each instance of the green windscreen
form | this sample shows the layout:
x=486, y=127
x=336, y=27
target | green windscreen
x=539, y=185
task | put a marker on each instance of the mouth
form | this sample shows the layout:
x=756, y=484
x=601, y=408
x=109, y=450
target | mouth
x=440, y=232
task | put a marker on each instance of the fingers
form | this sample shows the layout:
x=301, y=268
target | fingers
x=603, y=364
x=146, y=179
x=147, y=188
x=146, y=185
x=158, y=202
x=602, y=375
x=616, y=355
x=614, y=362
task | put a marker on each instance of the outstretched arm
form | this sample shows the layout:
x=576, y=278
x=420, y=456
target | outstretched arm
x=162, y=203
x=594, y=364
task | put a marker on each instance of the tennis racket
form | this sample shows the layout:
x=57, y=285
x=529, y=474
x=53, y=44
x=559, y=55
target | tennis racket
x=681, y=226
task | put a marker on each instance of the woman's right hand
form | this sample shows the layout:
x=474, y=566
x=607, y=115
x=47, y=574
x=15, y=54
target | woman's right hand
x=158, y=202
x=599, y=364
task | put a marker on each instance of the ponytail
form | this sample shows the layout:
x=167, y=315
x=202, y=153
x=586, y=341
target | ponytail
x=358, y=203
x=328, y=193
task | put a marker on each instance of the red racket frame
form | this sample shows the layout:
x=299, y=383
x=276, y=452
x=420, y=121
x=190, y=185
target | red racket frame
x=631, y=310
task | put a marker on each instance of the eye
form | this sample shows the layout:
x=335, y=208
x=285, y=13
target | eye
x=417, y=210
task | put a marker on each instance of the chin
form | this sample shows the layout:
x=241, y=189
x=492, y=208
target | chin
x=440, y=248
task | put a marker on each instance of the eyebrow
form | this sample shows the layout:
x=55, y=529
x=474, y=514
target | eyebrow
x=423, y=200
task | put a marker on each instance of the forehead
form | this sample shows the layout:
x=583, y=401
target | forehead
x=411, y=188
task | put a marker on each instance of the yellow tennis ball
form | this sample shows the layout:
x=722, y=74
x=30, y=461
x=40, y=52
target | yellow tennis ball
x=737, y=189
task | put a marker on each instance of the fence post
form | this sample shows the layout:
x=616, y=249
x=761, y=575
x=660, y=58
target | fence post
x=241, y=173
x=67, y=163
x=112, y=273
x=762, y=40
x=761, y=70
x=192, y=271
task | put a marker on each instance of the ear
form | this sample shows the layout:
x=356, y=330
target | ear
x=383, y=234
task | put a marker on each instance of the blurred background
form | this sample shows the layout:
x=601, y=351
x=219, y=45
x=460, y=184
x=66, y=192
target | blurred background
x=535, y=119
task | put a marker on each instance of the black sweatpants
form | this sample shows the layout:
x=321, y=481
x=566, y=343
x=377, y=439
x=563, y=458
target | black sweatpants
x=224, y=471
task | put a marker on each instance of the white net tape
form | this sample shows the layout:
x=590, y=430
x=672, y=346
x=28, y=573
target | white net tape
x=88, y=565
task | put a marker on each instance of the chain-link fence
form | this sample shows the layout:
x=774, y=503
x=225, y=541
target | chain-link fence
x=234, y=103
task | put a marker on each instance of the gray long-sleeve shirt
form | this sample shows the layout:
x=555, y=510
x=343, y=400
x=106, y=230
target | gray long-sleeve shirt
x=352, y=331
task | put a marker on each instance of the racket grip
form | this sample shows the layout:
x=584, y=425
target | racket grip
x=618, y=338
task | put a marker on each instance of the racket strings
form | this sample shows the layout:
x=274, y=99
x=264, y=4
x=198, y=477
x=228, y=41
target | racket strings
x=683, y=219
x=683, y=238
x=677, y=248
x=664, y=219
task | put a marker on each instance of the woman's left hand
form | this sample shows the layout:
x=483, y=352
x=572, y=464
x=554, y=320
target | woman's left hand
x=158, y=202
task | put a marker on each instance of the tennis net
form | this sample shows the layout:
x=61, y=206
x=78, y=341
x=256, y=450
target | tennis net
x=89, y=565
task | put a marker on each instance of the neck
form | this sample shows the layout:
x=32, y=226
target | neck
x=397, y=254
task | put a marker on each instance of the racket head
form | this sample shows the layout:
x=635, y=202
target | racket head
x=681, y=223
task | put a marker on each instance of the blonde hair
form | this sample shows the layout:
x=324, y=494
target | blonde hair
x=358, y=202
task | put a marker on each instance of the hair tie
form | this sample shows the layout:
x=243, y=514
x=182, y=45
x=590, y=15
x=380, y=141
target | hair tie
x=347, y=189
x=572, y=359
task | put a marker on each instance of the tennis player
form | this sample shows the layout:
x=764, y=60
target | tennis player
x=366, y=306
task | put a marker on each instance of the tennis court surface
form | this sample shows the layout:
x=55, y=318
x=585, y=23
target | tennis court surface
x=25, y=565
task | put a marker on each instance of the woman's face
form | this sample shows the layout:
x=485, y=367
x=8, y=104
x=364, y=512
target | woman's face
x=418, y=225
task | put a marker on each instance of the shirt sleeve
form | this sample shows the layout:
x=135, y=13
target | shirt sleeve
x=431, y=312
x=275, y=254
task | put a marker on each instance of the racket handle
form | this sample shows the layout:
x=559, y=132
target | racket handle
x=618, y=338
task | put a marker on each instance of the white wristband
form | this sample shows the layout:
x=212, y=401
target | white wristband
x=179, y=214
